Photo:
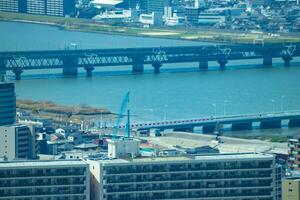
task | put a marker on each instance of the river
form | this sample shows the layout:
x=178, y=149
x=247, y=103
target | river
x=178, y=93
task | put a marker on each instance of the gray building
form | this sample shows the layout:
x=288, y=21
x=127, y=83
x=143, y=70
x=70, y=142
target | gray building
x=18, y=142
x=44, y=180
x=9, y=5
x=7, y=103
x=215, y=177
x=149, y=6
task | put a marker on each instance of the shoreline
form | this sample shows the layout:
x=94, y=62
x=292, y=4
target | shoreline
x=88, y=26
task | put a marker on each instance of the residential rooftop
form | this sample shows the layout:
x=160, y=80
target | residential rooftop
x=207, y=157
x=39, y=163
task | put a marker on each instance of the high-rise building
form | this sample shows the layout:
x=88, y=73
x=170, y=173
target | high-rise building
x=291, y=188
x=149, y=6
x=7, y=103
x=41, y=7
x=294, y=154
x=18, y=142
x=9, y=5
x=215, y=176
x=59, y=180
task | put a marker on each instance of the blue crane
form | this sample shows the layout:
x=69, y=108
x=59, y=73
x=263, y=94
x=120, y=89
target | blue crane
x=122, y=110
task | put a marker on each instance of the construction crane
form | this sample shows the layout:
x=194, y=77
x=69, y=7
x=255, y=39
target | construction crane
x=122, y=110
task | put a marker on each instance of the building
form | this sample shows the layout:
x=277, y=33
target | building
x=149, y=6
x=40, y=7
x=217, y=176
x=7, y=103
x=152, y=19
x=60, y=179
x=291, y=188
x=192, y=15
x=294, y=151
x=9, y=5
x=18, y=142
x=123, y=148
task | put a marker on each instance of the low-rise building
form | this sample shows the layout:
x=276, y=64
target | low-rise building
x=62, y=179
x=219, y=176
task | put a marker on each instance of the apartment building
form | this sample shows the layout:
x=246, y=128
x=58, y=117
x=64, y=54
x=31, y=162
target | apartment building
x=291, y=188
x=44, y=180
x=18, y=142
x=219, y=176
x=40, y=7
x=294, y=154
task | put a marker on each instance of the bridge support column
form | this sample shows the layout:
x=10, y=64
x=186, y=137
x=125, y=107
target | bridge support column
x=157, y=67
x=2, y=69
x=17, y=72
x=208, y=128
x=184, y=129
x=270, y=124
x=70, y=66
x=241, y=126
x=294, y=123
x=287, y=60
x=222, y=64
x=89, y=70
x=137, y=64
x=203, y=65
x=267, y=61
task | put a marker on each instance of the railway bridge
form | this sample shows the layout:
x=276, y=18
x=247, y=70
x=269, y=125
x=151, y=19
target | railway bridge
x=70, y=60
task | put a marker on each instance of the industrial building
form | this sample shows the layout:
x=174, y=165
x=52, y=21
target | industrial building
x=7, y=103
x=43, y=180
x=214, y=176
x=40, y=7
x=18, y=142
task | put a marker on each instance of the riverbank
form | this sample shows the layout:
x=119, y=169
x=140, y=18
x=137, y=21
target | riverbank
x=61, y=113
x=167, y=33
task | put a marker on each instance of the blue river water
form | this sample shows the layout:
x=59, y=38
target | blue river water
x=179, y=92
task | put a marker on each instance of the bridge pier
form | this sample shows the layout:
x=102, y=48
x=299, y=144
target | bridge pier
x=138, y=64
x=2, y=66
x=287, y=60
x=89, y=70
x=270, y=124
x=157, y=67
x=294, y=123
x=222, y=64
x=267, y=61
x=17, y=72
x=203, y=65
x=241, y=126
x=70, y=66
x=208, y=128
x=184, y=129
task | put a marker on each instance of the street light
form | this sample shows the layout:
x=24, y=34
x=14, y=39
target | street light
x=152, y=114
x=165, y=112
x=281, y=103
x=273, y=105
x=224, y=107
x=215, y=108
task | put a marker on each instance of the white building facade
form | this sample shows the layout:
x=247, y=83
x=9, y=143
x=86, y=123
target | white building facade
x=215, y=177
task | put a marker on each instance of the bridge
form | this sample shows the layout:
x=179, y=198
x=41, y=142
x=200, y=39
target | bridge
x=237, y=122
x=70, y=60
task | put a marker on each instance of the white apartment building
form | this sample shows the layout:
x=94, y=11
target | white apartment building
x=215, y=177
x=44, y=180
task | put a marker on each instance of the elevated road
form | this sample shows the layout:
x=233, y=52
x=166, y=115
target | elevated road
x=237, y=122
x=70, y=60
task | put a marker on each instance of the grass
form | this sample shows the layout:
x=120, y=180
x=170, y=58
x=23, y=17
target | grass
x=91, y=26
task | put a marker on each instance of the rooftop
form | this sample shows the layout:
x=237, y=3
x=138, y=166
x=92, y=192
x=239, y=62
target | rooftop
x=40, y=163
x=210, y=157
